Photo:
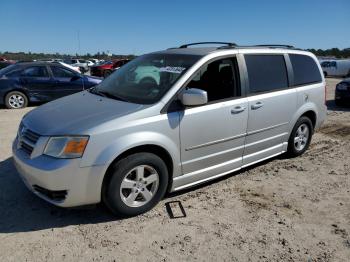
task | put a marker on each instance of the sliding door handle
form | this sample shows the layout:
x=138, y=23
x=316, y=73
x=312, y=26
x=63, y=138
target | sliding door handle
x=257, y=105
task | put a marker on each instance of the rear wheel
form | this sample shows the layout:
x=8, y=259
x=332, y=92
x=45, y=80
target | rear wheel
x=136, y=184
x=106, y=73
x=300, y=137
x=16, y=100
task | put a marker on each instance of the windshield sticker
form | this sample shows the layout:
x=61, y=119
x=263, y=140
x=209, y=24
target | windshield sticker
x=172, y=69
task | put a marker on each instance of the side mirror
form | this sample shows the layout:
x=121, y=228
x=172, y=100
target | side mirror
x=75, y=78
x=194, y=97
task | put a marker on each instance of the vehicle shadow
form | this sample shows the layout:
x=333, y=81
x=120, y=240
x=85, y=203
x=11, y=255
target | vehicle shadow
x=22, y=211
x=333, y=107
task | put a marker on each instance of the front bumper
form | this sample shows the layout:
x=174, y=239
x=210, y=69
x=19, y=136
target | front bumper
x=46, y=177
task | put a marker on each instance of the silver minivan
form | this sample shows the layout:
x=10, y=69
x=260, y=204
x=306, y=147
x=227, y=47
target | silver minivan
x=171, y=120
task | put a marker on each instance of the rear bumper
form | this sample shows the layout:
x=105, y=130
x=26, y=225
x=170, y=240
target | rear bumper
x=61, y=182
x=342, y=95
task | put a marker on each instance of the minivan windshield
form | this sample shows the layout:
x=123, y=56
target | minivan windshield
x=146, y=79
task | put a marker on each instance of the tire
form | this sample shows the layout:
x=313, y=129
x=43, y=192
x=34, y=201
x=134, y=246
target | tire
x=325, y=74
x=298, y=148
x=16, y=100
x=106, y=73
x=126, y=193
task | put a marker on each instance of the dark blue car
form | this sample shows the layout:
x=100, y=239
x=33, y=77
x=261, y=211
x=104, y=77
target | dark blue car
x=26, y=82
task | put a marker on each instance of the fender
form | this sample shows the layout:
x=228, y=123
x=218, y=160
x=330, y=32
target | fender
x=129, y=141
x=309, y=106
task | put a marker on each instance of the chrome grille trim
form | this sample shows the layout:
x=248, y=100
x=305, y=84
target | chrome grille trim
x=27, y=139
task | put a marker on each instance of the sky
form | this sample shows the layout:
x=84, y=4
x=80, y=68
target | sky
x=138, y=27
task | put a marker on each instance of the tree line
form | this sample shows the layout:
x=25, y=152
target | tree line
x=22, y=56
x=333, y=52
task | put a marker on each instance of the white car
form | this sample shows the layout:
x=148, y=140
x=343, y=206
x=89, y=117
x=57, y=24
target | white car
x=80, y=63
x=76, y=69
x=95, y=61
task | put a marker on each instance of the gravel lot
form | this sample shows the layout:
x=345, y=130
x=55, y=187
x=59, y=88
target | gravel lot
x=280, y=210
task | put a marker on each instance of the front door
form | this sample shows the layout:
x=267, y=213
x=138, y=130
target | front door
x=66, y=82
x=37, y=82
x=212, y=135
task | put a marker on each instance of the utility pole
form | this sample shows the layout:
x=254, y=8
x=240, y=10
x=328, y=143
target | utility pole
x=78, y=34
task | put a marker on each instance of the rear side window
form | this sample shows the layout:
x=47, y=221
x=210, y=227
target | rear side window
x=266, y=73
x=35, y=71
x=305, y=70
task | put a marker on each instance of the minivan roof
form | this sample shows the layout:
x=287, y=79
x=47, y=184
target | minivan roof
x=202, y=51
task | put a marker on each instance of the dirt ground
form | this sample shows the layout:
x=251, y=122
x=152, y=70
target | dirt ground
x=280, y=210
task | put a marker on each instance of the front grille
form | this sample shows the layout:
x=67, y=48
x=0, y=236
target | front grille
x=57, y=195
x=27, y=139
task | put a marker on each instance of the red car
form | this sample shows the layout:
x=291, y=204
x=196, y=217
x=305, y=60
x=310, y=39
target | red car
x=106, y=68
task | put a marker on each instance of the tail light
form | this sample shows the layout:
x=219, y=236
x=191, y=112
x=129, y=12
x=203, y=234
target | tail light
x=325, y=95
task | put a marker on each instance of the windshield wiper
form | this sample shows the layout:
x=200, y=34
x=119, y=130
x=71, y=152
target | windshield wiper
x=113, y=96
x=96, y=92
x=107, y=94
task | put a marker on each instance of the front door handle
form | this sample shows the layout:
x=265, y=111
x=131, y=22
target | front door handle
x=237, y=109
x=257, y=105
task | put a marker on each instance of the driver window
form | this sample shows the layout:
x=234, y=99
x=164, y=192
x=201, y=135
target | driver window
x=61, y=72
x=219, y=78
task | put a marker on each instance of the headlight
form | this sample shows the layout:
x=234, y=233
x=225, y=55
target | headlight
x=342, y=87
x=66, y=146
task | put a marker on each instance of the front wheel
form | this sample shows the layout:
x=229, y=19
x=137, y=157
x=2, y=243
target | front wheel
x=300, y=137
x=136, y=184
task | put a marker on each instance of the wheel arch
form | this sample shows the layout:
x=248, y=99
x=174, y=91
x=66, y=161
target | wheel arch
x=312, y=116
x=309, y=110
x=147, y=148
x=16, y=89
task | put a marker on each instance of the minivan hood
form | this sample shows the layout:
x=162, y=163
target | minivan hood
x=76, y=114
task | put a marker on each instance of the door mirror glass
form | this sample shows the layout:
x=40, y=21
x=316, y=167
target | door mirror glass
x=194, y=97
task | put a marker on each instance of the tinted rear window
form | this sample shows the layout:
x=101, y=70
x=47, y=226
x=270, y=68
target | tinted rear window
x=305, y=70
x=266, y=73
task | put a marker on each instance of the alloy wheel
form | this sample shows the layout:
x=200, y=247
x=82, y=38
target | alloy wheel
x=16, y=101
x=301, y=137
x=139, y=186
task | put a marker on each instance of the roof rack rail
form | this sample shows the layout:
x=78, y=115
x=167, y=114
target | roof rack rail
x=285, y=46
x=205, y=43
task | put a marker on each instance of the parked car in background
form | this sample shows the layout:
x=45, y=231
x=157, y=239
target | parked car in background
x=342, y=93
x=22, y=83
x=4, y=63
x=340, y=68
x=213, y=111
x=71, y=67
x=95, y=61
x=107, y=68
x=80, y=63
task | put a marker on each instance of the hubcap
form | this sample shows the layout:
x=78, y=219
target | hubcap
x=139, y=186
x=16, y=101
x=301, y=137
